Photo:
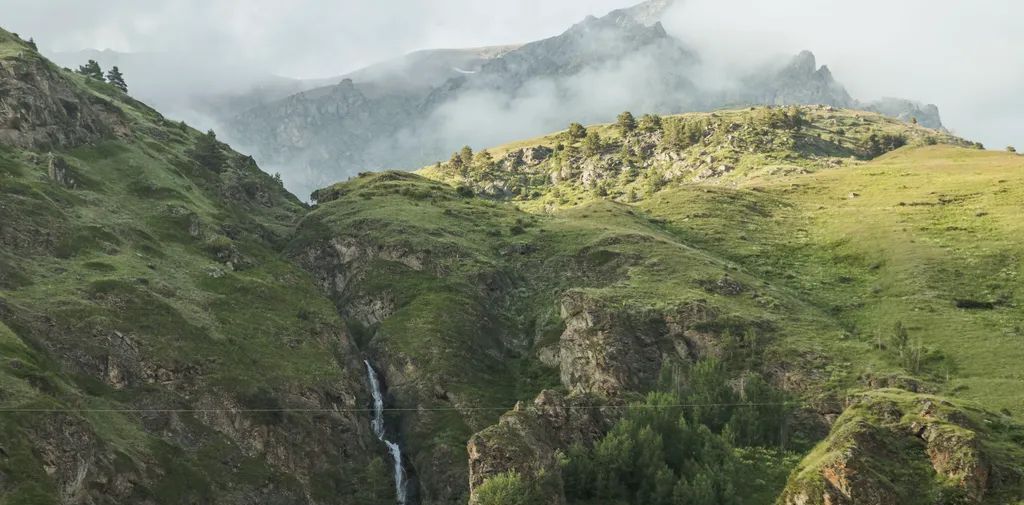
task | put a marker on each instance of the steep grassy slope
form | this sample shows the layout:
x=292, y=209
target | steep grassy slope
x=722, y=295
x=910, y=258
x=927, y=237
x=147, y=317
x=474, y=305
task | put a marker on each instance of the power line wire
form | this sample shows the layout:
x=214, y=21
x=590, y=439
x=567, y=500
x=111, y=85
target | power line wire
x=393, y=409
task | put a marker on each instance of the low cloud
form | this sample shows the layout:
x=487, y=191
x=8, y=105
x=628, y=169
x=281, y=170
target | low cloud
x=964, y=57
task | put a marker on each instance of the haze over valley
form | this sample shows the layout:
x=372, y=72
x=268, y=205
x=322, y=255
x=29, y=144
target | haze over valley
x=511, y=253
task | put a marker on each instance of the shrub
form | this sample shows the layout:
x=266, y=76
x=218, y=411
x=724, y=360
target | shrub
x=626, y=122
x=506, y=489
x=577, y=131
x=592, y=145
x=650, y=123
x=886, y=142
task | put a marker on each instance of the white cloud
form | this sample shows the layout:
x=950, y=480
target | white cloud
x=964, y=56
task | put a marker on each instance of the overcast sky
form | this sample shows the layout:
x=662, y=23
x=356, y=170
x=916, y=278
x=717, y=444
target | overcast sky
x=966, y=57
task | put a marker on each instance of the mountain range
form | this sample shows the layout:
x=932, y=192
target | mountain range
x=793, y=305
x=419, y=108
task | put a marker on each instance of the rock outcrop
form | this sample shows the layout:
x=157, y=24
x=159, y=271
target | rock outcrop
x=607, y=351
x=39, y=110
x=893, y=446
x=527, y=439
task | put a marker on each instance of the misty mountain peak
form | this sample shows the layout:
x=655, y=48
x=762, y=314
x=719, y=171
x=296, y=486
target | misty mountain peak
x=803, y=64
x=648, y=13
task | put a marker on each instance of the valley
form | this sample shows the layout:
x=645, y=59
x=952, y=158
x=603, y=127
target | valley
x=799, y=304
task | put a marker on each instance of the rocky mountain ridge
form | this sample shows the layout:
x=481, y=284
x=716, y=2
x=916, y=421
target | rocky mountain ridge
x=591, y=72
x=176, y=327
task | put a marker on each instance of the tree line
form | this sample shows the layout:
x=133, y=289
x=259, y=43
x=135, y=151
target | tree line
x=113, y=76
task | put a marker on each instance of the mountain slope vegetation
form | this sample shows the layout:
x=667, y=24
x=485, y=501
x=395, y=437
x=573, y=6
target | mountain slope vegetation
x=818, y=263
x=145, y=307
x=792, y=305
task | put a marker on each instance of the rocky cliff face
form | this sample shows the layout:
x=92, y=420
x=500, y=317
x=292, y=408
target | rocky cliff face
x=606, y=351
x=893, y=446
x=41, y=111
x=800, y=82
x=528, y=439
x=908, y=110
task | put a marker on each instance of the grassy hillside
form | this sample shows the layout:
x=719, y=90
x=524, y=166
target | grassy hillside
x=135, y=278
x=479, y=296
x=905, y=252
x=472, y=300
x=690, y=309
x=923, y=236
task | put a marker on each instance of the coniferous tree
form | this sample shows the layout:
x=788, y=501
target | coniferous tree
x=483, y=160
x=681, y=134
x=207, y=152
x=91, y=69
x=577, y=131
x=32, y=44
x=650, y=123
x=592, y=143
x=626, y=122
x=466, y=156
x=455, y=161
x=115, y=77
x=375, y=486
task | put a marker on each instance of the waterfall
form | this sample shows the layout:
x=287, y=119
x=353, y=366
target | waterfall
x=378, y=429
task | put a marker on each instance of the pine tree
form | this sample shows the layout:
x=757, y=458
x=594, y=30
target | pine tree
x=483, y=160
x=455, y=161
x=592, y=143
x=466, y=156
x=32, y=44
x=207, y=152
x=577, y=131
x=626, y=122
x=650, y=123
x=375, y=486
x=115, y=77
x=91, y=69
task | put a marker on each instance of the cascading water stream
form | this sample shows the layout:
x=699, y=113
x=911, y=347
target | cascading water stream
x=378, y=429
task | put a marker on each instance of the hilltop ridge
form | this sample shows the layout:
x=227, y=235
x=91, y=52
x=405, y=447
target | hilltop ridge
x=597, y=315
x=590, y=72
x=723, y=147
